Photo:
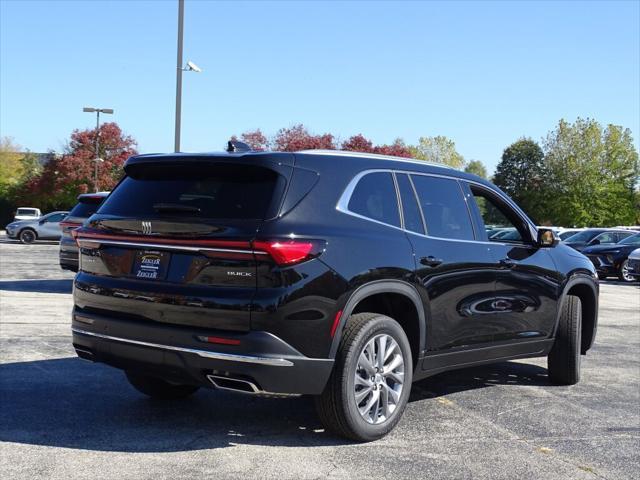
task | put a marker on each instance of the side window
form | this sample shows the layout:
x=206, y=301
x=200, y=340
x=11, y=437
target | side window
x=622, y=236
x=500, y=223
x=607, y=237
x=55, y=218
x=444, y=208
x=375, y=197
x=410, y=209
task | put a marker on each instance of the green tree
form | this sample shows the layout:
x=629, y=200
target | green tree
x=477, y=168
x=593, y=173
x=30, y=167
x=438, y=149
x=10, y=165
x=521, y=173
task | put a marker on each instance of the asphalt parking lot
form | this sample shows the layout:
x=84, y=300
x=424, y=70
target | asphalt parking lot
x=61, y=417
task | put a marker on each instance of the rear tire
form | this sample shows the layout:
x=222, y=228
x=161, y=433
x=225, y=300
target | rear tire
x=158, y=388
x=564, y=359
x=27, y=236
x=357, y=382
x=623, y=274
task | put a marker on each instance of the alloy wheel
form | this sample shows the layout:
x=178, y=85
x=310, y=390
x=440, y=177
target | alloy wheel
x=624, y=270
x=379, y=379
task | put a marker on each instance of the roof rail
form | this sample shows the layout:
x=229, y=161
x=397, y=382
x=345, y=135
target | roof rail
x=375, y=156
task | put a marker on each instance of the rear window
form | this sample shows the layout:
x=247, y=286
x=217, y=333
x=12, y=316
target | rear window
x=203, y=191
x=26, y=211
x=85, y=208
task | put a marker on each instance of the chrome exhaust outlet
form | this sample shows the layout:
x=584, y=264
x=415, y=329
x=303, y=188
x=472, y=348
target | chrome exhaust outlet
x=233, y=384
x=244, y=386
x=84, y=354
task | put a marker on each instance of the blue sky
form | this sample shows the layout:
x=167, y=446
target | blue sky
x=481, y=73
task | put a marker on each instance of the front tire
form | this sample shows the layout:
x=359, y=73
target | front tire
x=27, y=236
x=564, y=359
x=369, y=387
x=158, y=388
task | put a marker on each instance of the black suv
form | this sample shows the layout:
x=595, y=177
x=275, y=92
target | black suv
x=341, y=275
x=87, y=205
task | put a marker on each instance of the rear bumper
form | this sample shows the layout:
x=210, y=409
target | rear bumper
x=176, y=354
x=68, y=257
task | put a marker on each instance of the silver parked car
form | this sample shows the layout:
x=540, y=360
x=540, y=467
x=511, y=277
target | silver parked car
x=46, y=227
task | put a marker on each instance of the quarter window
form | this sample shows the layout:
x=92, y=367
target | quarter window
x=444, y=208
x=375, y=197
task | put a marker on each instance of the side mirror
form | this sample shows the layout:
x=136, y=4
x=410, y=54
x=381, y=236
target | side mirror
x=595, y=241
x=547, y=238
x=42, y=222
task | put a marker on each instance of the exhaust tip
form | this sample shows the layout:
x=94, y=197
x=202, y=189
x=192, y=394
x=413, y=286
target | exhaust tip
x=84, y=353
x=233, y=384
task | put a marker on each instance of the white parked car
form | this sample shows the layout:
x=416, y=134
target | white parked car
x=27, y=213
x=46, y=227
x=633, y=264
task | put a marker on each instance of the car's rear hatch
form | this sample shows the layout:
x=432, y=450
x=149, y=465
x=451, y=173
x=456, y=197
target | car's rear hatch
x=87, y=205
x=173, y=242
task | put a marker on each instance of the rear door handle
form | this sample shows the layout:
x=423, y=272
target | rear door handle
x=431, y=261
x=507, y=262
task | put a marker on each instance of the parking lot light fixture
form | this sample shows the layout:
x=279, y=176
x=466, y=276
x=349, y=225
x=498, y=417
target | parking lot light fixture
x=97, y=158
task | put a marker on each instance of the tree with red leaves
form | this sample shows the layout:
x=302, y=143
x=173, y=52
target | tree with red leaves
x=64, y=177
x=397, y=149
x=298, y=138
x=256, y=140
x=358, y=143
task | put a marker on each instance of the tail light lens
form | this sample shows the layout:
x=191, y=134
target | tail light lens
x=289, y=252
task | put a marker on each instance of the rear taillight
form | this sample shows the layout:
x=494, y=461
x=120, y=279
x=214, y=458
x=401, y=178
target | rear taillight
x=288, y=252
x=67, y=227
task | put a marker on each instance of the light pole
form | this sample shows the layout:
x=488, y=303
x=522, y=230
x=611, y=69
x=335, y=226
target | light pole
x=191, y=67
x=97, y=111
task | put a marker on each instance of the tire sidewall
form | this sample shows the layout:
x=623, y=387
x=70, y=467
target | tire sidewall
x=622, y=277
x=378, y=325
x=27, y=231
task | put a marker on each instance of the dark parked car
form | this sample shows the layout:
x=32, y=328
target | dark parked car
x=633, y=266
x=340, y=275
x=596, y=236
x=612, y=260
x=87, y=205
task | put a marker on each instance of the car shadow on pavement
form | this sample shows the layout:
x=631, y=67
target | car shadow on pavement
x=505, y=373
x=63, y=285
x=72, y=403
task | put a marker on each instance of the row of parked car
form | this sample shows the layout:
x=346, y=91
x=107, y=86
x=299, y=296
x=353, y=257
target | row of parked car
x=615, y=252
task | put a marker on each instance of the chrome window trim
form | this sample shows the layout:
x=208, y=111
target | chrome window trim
x=415, y=197
x=164, y=246
x=232, y=357
x=398, y=200
x=343, y=203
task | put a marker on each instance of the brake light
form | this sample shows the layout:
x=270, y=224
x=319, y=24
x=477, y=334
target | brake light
x=288, y=252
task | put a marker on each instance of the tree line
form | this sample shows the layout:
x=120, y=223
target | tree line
x=581, y=174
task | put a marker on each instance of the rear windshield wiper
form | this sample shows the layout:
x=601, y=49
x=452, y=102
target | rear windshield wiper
x=175, y=207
